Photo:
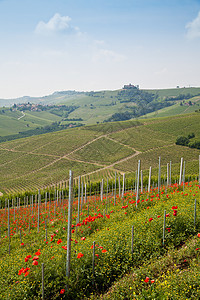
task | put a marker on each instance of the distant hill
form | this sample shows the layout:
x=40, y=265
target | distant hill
x=97, y=107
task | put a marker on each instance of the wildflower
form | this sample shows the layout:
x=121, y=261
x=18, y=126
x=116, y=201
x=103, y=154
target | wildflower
x=22, y=244
x=62, y=291
x=35, y=263
x=80, y=255
x=146, y=280
x=159, y=216
x=104, y=251
x=59, y=241
x=64, y=247
x=150, y=219
x=83, y=238
x=152, y=281
x=198, y=234
x=35, y=257
x=21, y=271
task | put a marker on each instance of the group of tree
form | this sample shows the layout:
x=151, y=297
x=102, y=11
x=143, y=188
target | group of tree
x=188, y=142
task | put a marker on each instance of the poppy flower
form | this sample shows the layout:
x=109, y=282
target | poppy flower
x=198, y=234
x=64, y=247
x=35, y=263
x=104, y=251
x=59, y=241
x=146, y=279
x=62, y=291
x=80, y=255
x=152, y=281
x=83, y=238
x=150, y=219
x=35, y=257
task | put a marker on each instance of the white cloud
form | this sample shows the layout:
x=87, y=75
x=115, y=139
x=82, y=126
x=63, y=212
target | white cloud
x=107, y=55
x=193, y=28
x=56, y=24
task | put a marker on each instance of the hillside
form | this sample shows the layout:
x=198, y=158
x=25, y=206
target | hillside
x=98, y=151
x=87, y=108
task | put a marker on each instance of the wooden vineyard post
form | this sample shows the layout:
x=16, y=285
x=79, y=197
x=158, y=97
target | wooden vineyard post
x=102, y=184
x=85, y=192
x=69, y=223
x=79, y=191
x=181, y=170
x=149, y=183
x=167, y=174
x=81, y=196
x=39, y=199
x=170, y=172
x=138, y=183
x=141, y=181
x=123, y=185
x=164, y=228
x=159, y=175
x=119, y=186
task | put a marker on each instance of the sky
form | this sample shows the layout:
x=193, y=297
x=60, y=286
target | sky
x=91, y=45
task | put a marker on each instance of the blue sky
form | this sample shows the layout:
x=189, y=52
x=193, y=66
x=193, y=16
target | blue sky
x=52, y=45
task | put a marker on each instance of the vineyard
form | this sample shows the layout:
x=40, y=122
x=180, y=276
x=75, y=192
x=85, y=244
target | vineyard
x=108, y=234
x=96, y=151
x=123, y=223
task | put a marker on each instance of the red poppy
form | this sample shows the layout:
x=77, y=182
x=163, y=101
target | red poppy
x=59, y=241
x=198, y=234
x=150, y=219
x=64, y=247
x=35, y=263
x=62, y=291
x=80, y=255
x=35, y=257
x=146, y=280
x=152, y=281
x=83, y=238
x=104, y=251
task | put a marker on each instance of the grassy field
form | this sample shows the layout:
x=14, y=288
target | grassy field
x=155, y=262
x=97, y=150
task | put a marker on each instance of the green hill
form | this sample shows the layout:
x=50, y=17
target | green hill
x=87, y=108
x=97, y=151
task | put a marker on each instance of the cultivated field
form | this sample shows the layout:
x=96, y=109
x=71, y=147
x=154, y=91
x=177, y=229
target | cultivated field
x=44, y=160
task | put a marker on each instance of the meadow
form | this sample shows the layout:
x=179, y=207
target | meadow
x=152, y=244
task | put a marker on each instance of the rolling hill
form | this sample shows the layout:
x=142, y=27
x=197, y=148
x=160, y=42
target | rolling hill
x=96, y=107
x=98, y=151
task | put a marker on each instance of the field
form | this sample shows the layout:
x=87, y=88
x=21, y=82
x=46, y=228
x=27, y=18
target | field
x=44, y=160
x=160, y=261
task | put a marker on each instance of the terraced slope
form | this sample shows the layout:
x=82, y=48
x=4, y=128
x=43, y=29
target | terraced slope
x=96, y=151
